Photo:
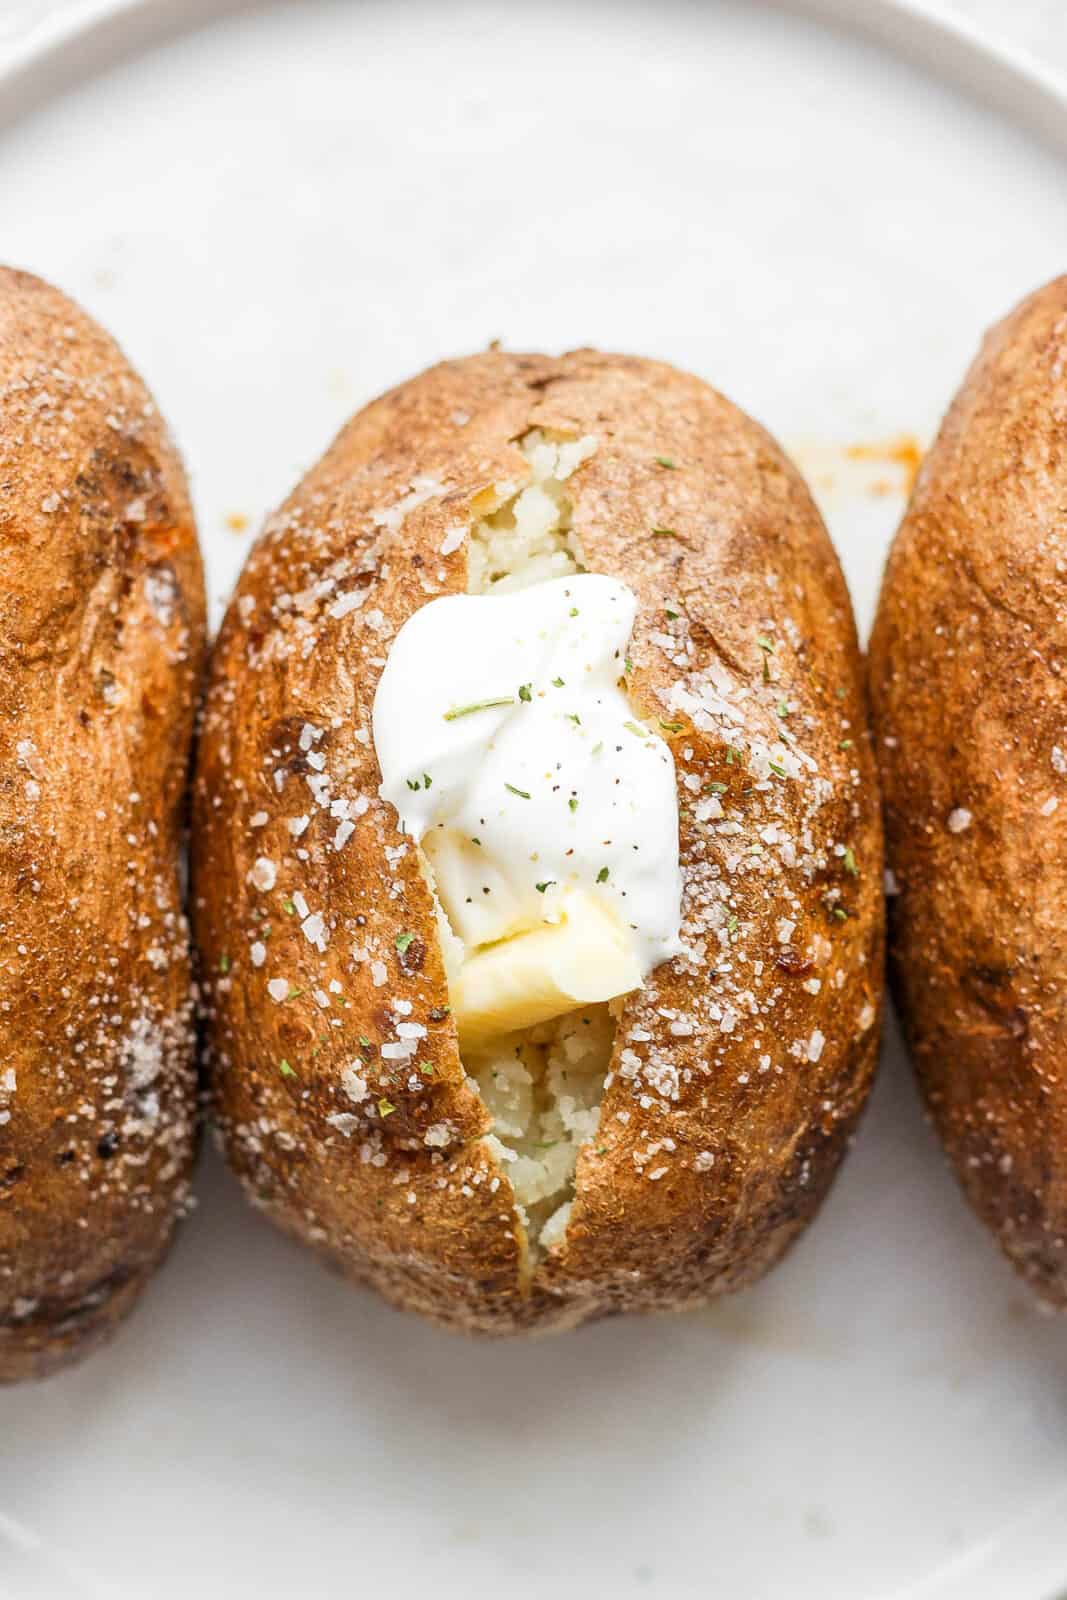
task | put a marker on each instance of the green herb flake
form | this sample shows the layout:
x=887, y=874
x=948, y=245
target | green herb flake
x=426, y=1068
x=364, y=1043
x=672, y=616
x=628, y=665
x=765, y=643
x=541, y=887
x=525, y=692
x=294, y=992
x=845, y=744
x=668, y=462
x=289, y=908
x=664, y=533
x=840, y=913
x=557, y=683
x=522, y=794
x=573, y=802
x=717, y=788
x=412, y=783
x=427, y=781
x=402, y=941
x=636, y=729
x=285, y=1069
x=478, y=705
x=573, y=611
x=778, y=770
x=572, y=716
x=849, y=859
x=671, y=727
x=731, y=925
x=224, y=963
x=602, y=875
x=596, y=751
x=783, y=709
x=385, y=1108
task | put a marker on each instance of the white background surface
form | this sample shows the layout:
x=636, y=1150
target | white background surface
x=278, y=216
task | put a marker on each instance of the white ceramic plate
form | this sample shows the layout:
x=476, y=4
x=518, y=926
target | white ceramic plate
x=279, y=213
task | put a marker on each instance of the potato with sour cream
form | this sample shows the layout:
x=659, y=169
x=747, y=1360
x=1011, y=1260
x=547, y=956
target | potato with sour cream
x=537, y=870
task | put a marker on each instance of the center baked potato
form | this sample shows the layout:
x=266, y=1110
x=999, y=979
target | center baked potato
x=707, y=1111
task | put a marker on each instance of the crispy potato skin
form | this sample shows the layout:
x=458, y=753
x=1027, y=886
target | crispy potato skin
x=101, y=647
x=966, y=672
x=708, y=1164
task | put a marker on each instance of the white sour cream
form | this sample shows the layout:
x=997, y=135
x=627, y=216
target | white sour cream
x=512, y=755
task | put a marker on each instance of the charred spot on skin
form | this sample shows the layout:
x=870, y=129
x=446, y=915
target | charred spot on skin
x=412, y=956
x=107, y=1146
x=64, y=1158
x=12, y=1175
x=790, y=960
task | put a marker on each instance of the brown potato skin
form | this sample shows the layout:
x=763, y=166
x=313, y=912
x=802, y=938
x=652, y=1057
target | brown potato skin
x=434, y=1229
x=101, y=648
x=966, y=675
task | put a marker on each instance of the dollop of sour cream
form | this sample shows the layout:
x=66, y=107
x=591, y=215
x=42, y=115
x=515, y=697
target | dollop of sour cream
x=511, y=754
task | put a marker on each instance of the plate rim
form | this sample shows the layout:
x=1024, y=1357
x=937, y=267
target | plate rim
x=71, y=47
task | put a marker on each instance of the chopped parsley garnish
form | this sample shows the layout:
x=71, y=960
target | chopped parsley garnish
x=289, y=908
x=671, y=727
x=717, y=788
x=596, y=751
x=777, y=768
x=541, y=887
x=285, y=1069
x=602, y=875
x=628, y=665
x=845, y=744
x=524, y=692
x=572, y=716
x=427, y=781
x=731, y=926
x=666, y=461
x=664, y=533
x=385, y=1108
x=573, y=611
x=672, y=615
x=636, y=729
x=557, y=683
x=224, y=963
x=573, y=802
x=849, y=858
x=402, y=941
x=765, y=643
x=522, y=794
x=783, y=709
x=479, y=705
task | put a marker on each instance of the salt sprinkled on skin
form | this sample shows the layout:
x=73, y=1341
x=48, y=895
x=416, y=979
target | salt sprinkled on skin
x=959, y=820
x=278, y=989
x=264, y=874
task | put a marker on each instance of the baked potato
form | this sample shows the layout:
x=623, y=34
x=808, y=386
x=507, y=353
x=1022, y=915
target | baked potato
x=101, y=646
x=970, y=708
x=511, y=1126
